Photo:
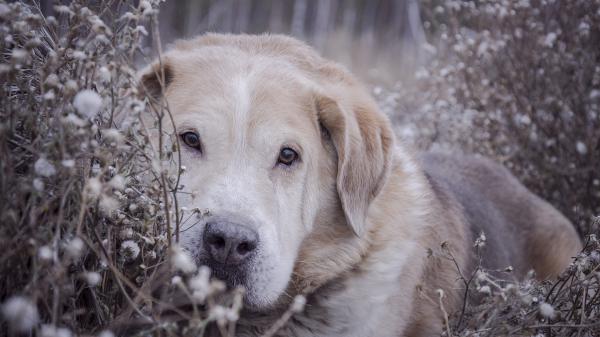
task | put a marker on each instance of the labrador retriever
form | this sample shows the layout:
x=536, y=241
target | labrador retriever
x=308, y=192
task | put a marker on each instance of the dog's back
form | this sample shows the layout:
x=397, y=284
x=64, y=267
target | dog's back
x=522, y=230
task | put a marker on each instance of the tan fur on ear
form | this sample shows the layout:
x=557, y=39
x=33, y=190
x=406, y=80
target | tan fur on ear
x=154, y=79
x=363, y=140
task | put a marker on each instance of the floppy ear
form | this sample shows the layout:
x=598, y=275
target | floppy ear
x=155, y=78
x=363, y=141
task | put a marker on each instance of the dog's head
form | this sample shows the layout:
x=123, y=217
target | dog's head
x=284, y=152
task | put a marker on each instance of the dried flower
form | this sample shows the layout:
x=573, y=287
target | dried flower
x=182, y=261
x=92, y=278
x=130, y=250
x=94, y=187
x=88, y=103
x=48, y=330
x=117, y=182
x=108, y=204
x=20, y=313
x=298, y=304
x=200, y=284
x=68, y=163
x=38, y=184
x=45, y=253
x=547, y=310
x=581, y=148
x=74, y=248
x=485, y=290
x=106, y=333
x=44, y=168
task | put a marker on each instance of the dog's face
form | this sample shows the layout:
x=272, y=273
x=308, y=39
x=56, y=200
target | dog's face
x=266, y=155
x=251, y=150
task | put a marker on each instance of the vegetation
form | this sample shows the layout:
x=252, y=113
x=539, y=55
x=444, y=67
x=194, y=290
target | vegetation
x=87, y=202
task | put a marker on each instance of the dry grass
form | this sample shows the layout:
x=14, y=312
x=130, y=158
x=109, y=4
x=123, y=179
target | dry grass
x=88, y=206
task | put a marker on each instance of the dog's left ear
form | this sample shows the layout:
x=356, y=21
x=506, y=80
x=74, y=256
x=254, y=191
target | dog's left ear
x=363, y=140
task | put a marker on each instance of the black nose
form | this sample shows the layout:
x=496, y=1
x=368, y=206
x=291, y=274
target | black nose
x=229, y=243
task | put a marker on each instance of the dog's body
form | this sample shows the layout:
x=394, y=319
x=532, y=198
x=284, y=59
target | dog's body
x=354, y=221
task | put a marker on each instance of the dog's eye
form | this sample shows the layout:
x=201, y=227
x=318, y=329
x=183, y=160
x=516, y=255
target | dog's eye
x=287, y=156
x=191, y=139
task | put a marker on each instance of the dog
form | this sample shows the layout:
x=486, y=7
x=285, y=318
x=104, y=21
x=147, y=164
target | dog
x=306, y=191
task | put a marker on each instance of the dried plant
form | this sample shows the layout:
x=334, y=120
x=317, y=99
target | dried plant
x=497, y=305
x=88, y=204
x=89, y=219
x=518, y=81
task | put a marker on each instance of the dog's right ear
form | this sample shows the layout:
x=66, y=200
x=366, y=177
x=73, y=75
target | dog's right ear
x=155, y=78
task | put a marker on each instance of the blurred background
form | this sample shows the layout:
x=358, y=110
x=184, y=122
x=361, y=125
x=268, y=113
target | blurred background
x=362, y=34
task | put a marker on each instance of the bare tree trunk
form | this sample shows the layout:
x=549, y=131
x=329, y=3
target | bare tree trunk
x=171, y=23
x=368, y=25
x=299, y=17
x=333, y=10
x=261, y=15
x=215, y=13
x=368, y=20
x=192, y=15
x=397, y=26
x=227, y=25
x=321, y=23
x=349, y=17
x=415, y=24
x=276, y=21
x=244, y=13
